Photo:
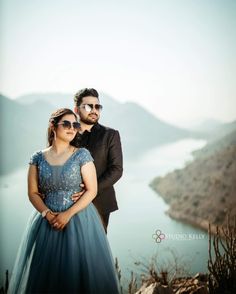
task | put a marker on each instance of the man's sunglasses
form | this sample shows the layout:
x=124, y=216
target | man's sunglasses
x=89, y=107
x=68, y=125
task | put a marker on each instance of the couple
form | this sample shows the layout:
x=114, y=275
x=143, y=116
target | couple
x=65, y=248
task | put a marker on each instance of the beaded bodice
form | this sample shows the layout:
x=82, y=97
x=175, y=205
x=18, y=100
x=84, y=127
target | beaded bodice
x=58, y=182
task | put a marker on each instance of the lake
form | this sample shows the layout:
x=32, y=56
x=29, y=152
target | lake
x=139, y=230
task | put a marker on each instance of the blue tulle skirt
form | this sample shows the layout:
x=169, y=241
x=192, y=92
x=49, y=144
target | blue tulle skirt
x=75, y=260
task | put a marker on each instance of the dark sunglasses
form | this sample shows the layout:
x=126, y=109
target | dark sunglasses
x=68, y=125
x=89, y=107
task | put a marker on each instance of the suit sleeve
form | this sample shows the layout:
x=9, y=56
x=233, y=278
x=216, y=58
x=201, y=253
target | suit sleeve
x=115, y=163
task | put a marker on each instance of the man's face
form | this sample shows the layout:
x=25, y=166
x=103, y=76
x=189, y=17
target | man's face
x=88, y=117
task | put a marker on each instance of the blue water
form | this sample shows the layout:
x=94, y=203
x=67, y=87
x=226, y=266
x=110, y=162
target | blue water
x=142, y=213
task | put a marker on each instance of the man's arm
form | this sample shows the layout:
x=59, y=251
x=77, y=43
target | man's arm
x=115, y=163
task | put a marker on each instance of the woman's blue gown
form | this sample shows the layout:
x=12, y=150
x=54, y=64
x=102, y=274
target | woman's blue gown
x=77, y=259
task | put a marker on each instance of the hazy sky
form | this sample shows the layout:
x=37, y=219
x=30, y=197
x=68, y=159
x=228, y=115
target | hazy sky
x=174, y=57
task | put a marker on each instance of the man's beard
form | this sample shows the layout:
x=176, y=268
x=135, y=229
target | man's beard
x=88, y=121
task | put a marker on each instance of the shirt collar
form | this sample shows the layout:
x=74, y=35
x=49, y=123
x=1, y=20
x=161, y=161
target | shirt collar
x=94, y=128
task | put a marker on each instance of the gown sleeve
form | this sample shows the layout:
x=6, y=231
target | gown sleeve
x=85, y=156
x=34, y=159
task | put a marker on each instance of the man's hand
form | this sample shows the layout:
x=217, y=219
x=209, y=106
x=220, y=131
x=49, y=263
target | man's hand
x=75, y=197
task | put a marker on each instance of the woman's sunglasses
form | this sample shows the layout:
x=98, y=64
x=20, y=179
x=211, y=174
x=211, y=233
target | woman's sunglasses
x=68, y=125
x=89, y=107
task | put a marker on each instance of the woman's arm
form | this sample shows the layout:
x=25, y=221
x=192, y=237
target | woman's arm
x=89, y=177
x=33, y=192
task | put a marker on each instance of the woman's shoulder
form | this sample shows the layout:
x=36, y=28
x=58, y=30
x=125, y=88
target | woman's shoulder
x=83, y=155
x=36, y=157
x=82, y=150
x=44, y=150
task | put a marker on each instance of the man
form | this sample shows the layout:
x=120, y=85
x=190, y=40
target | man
x=105, y=147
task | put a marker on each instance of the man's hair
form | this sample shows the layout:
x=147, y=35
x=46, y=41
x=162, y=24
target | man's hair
x=84, y=93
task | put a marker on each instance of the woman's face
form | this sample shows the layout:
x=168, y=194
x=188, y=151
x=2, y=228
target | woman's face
x=64, y=129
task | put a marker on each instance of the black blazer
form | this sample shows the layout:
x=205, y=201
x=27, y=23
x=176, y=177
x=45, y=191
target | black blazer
x=105, y=147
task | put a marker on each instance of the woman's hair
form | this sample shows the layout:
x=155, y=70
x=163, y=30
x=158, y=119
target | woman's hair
x=54, y=120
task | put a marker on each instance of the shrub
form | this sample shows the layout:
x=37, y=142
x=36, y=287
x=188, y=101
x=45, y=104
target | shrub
x=222, y=269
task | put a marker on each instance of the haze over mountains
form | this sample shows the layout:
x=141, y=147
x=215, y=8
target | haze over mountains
x=24, y=123
x=130, y=119
x=23, y=130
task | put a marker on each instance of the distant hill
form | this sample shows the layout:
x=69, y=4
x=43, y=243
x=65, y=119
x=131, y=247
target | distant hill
x=206, y=125
x=139, y=129
x=223, y=139
x=23, y=130
x=205, y=190
x=57, y=100
x=26, y=120
x=214, y=129
x=222, y=130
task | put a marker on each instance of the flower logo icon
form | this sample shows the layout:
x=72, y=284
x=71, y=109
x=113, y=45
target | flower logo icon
x=158, y=236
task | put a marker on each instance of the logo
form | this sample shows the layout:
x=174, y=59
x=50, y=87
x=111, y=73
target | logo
x=158, y=236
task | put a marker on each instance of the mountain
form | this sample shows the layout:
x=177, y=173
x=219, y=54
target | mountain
x=139, y=129
x=26, y=118
x=57, y=100
x=223, y=130
x=23, y=130
x=205, y=190
x=213, y=129
x=220, y=141
x=206, y=125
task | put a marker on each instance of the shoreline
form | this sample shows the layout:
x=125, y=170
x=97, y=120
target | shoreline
x=203, y=192
x=197, y=223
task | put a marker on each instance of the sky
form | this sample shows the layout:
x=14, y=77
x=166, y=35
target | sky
x=176, y=58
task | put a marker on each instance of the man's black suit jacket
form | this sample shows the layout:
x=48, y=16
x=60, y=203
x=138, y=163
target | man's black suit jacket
x=105, y=147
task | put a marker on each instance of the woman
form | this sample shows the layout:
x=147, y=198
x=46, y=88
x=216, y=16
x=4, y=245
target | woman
x=65, y=249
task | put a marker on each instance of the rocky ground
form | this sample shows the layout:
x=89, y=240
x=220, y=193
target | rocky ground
x=187, y=285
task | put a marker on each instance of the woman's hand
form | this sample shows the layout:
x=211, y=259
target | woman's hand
x=50, y=216
x=61, y=220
